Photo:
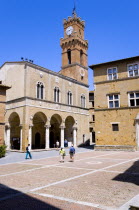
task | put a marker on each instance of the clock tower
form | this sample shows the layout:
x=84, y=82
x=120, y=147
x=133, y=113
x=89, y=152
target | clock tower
x=74, y=50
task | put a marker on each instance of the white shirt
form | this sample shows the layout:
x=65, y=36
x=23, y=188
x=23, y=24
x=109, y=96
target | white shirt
x=29, y=148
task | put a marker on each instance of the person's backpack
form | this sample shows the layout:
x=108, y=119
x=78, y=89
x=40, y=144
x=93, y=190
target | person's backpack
x=72, y=150
x=26, y=148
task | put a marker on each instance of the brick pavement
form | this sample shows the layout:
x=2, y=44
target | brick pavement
x=95, y=180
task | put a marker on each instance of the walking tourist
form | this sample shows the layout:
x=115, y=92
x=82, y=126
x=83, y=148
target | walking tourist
x=28, y=153
x=62, y=154
x=72, y=153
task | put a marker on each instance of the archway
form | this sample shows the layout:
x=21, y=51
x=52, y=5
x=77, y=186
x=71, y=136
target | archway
x=38, y=131
x=14, y=122
x=37, y=140
x=69, y=123
x=52, y=139
x=55, y=130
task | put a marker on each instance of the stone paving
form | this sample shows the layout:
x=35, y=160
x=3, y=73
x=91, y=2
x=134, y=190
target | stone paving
x=95, y=180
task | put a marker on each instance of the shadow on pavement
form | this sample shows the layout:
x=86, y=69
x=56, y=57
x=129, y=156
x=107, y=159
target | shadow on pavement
x=130, y=175
x=11, y=199
x=91, y=147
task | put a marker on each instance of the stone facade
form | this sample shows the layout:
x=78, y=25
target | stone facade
x=117, y=103
x=44, y=106
x=91, y=117
x=3, y=89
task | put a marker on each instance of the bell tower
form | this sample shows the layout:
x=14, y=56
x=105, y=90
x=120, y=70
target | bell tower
x=74, y=49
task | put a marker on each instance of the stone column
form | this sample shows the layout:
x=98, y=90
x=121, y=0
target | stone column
x=74, y=136
x=47, y=138
x=62, y=136
x=30, y=135
x=21, y=137
x=8, y=133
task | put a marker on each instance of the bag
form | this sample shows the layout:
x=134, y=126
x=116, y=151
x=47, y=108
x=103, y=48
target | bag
x=26, y=148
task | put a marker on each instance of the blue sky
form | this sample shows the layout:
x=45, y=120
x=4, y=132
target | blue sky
x=32, y=29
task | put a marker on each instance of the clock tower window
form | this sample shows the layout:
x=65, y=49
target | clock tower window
x=69, y=56
x=81, y=57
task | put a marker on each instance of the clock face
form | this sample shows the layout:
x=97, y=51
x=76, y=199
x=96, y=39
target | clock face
x=82, y=72
x=69, y=30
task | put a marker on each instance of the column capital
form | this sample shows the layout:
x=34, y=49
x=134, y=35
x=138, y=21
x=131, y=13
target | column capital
x=62, y=126
x=31, y=125
x=74, y=128
x=47, y=126
x=20, y=125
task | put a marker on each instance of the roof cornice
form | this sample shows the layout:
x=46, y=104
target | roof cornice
x=114, y=61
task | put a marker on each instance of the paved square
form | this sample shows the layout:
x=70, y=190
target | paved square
x=95, y=180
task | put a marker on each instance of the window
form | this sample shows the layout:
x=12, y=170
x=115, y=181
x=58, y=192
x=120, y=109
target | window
x=81, y=57
x=113, y=101
x=115, y=127
x=82, y=101
x=69, y=56
x=134, y=99
x=56, y=94
x=112, y=73
x=93, y=118
x=69, y=98
x=40, y=90
x=133, y=70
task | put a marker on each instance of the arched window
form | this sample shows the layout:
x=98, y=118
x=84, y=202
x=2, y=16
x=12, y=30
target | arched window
x=69, y=56
x=40, y=90
x=82, y=101
x=69, y=95
x=81, y=57
x=56, y=94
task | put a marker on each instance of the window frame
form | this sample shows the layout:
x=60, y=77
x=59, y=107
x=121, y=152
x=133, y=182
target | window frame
x=40, y=90
x=133, y=64
x=114, y=124
x=83, y=101
x=112, y=73
x=56, y=95
x=69, y=98
x=81, y=57
x=93, y=117
x=134, y=98
x=113, y=100
x=69, y=56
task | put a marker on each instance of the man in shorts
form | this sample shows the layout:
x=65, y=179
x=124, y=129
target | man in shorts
x=72, y=153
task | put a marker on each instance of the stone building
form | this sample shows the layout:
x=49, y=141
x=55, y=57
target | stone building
x=3, y=89
x=91, y=117
x=44, y=106
x=116, y=98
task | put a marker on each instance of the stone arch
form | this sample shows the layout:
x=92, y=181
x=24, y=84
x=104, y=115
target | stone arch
x=14, y=124
x=55, y=123
x=69, y=124
x=38, y=130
